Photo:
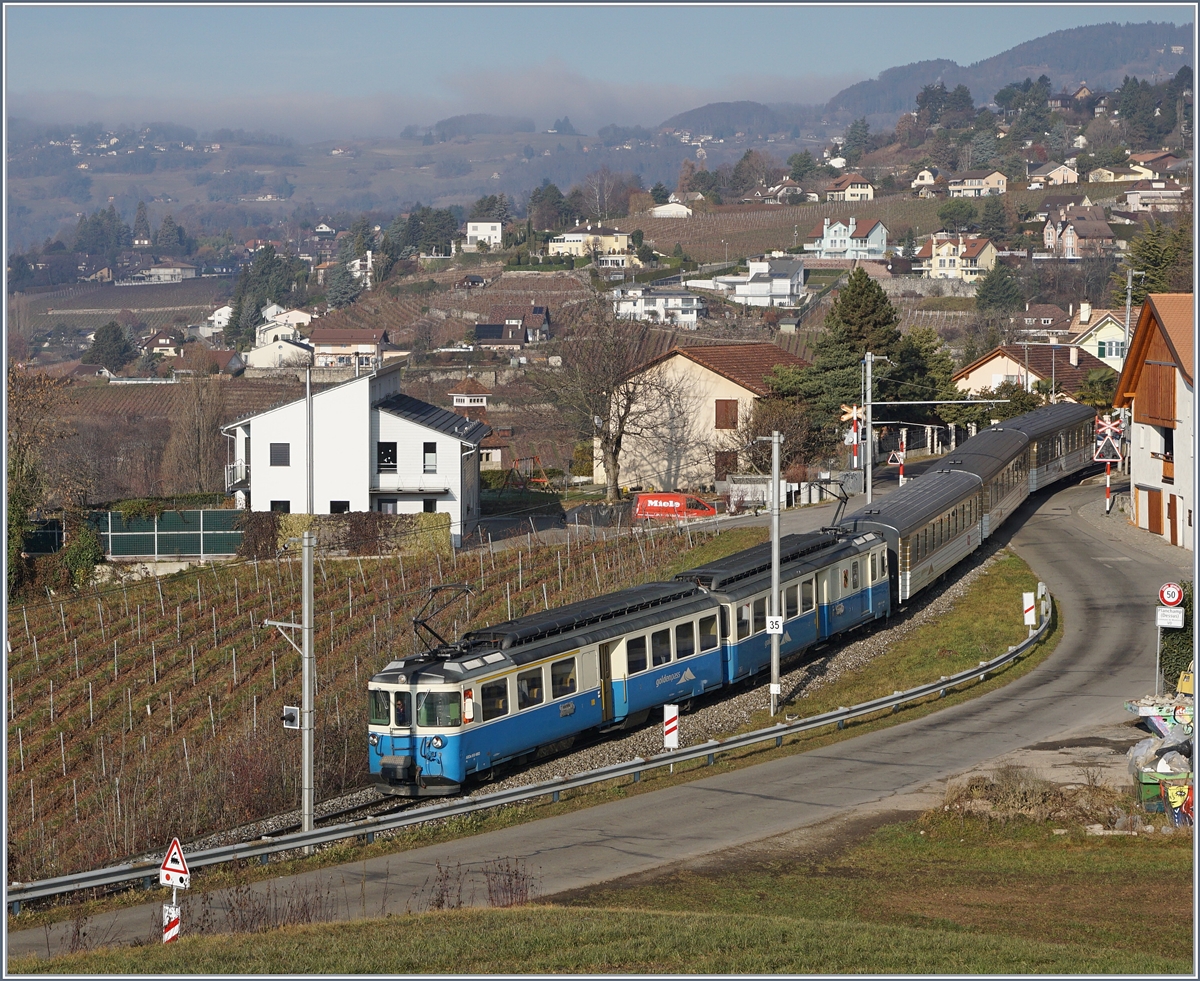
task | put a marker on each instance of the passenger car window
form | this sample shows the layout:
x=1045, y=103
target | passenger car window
x=854, y=575
x=635, y=654
x=439, y=708
x=760, y=614
x=562, y=678
x=493, y=698
x=685, y=640
x=380, y=704
x=743, y=621
x=807, y=597
x=529, y=688
x=708, y=633
x=660, y=647
x=403, y=709
x=791, y=602
x=874, y=566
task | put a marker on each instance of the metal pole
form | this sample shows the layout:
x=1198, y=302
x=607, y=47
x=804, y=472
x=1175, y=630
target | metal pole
x=308, y=408
x=1157, y=661
x=307, y=541
x=774, y=605
x=869, y=358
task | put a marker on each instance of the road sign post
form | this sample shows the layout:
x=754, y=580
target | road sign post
x=1170, y=594
x=1029, y=605
x=174, y=873
x=1168, y=615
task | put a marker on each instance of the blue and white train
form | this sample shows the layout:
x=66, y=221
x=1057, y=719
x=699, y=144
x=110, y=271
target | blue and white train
x=526, y=688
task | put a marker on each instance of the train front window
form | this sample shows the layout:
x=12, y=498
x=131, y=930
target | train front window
x=439, y=709
x=708, y=633
x=403, y=709
x=529, y=688
x=379, y=706
x=660, y=647
x=685, y=640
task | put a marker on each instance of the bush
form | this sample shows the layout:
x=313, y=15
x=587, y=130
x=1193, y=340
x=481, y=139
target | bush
x=1177, y=651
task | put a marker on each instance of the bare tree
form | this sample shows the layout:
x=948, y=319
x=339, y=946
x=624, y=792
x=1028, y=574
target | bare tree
x=192, y=459
x=598, y=188
x=805, y=441
x=605, y=388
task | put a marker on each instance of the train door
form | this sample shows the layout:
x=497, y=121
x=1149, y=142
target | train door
x=606, y=687
x=824, y=601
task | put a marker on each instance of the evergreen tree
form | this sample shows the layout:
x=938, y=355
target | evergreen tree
x=863, y=310
x=141, y=223
x=856, y=140
x=660, y=193
x=170, y=238
x=957, y=214
x=1164, y=255
x=341, y=288
x=994, y=222
x=110, y=348
x=999, y=290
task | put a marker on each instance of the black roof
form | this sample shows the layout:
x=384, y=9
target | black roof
x=916, y=503
x=987, y=453
x=752, y=561
x=433, y=417
x=1051, y=418
x=489, y=332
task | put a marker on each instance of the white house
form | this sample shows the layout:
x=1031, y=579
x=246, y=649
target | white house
x=1101, y=333
x=489, y=232
x=672, y=209
x=219, y=318
x=845, y=238
x=363, y=268
x=374, y=449
x=1158, y=385
x=273, y=330
x=271, y=311
x=776, y=280
x=661, y=305
x=926, y=177
x=280, y=353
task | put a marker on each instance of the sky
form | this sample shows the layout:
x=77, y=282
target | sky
x=323, y=72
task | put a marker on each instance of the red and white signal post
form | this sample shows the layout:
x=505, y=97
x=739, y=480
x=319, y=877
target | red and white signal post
x=851, y=414
x=174, y=873
x=1108, y=452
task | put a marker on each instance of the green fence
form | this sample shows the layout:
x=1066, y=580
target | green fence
x=172, y=534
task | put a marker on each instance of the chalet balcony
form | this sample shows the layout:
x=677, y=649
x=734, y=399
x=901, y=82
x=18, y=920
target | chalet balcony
x=394, y=483
x=237, y=476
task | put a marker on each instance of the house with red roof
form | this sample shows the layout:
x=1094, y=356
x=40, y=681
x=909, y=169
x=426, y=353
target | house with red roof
x=849, y=187
x=968, y=259
x=706, y=392
x=1157, y=385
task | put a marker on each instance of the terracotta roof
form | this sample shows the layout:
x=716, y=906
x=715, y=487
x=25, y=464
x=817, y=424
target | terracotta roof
x=972, y=247
x=340, y=335
x=1176, y=313
x=1044, y=361
x=973, y=175
x=843, y=182
x=1092, y=229
x=468, y=386
x=747, y=365
x=512, y=312
x=1155, y=185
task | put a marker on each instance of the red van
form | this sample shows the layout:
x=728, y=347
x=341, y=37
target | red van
x=672, y=506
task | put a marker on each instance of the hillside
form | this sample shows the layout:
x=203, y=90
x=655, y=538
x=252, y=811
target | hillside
x=1101, y=54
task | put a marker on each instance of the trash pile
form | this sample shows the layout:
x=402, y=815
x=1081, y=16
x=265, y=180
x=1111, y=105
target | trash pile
x=1161, y=765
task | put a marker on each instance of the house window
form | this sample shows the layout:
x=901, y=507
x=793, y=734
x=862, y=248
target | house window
x=727, y=413
x=339, y=507
x=387, y=505
x=430, y=458
x=429, y=505
x=281, y=454
x=385, y=457
x=281, y=507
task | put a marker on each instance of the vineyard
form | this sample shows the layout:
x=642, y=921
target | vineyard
x=145, y=710
x=155, y=306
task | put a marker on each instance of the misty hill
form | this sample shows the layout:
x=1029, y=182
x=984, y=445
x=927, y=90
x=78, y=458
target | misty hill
x=475, y=124
x=1100, y=54
x=723, y=119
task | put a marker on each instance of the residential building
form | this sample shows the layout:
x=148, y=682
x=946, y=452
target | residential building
x=776, y=280
x=533, y=320
x=279, y=353
x=490, y=233
x=714, y=388
x=363, y=268
x=374, y=449
x=273, y=330
x=1155, y=195
x=1044, y=319
x=1101, y=333
x=167, y=343
x=1030, y=365
x=1054, y=173
x=1108, y=175
x=1154, y=163
x=1074, y=238
x=359, y=348
x=500, y=337
x=583, y=240
x=226, y=360
x=926, y=177
x=850, y=187
x=963, y=258
x=846, y=238
x=687, y=197
x=1057, y=204
x=1157, y=385
x=977, y=184
x=470, y=402
x=662, y=306
x=167, y=271
x=672, y=209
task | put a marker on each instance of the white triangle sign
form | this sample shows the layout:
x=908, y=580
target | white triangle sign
x=174, y=871
x=1107, y=451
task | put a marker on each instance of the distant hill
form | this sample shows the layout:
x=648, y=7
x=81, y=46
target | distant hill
x=1101, y=54
x=478, y=123
x=724, y=119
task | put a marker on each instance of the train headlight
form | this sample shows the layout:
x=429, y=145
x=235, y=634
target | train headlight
x=438, y=742
x=373, y=739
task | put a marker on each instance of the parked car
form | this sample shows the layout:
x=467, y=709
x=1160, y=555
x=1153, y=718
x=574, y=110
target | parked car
x=672, y=506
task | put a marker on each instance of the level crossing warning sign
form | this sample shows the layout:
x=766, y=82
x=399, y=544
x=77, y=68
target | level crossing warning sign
x=174, y=871
x=1108, y=441
x=170, y=923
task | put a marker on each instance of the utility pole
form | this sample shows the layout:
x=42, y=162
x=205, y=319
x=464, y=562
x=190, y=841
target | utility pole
x=308, y=409
x=869, y=359
x=775, y=610
x=307, y=542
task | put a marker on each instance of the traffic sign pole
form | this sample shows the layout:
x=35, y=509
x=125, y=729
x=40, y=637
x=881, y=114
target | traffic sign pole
x=1107, y=488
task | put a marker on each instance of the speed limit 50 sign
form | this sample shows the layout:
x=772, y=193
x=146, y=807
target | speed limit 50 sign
x=1170, y=594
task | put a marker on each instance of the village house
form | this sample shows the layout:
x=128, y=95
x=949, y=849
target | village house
x=674, y=306
x=848, y=239
x=1053, y=173
x=776, y=280
x=500, y=337
x=850, y=187
x=1101, y=333
x=714, y=388
x=1154, y=164
x=672, y=209
x=977, y=184
x=1155, y=195
x=489, y=233
x=533, y=321
x=374, y=449
x=470, y=401
x=926, y=177
x=1076, y=237
x=583, y=241
x=280, y=353
x=1031, y=365
x=1114, y=173
x=1044, y=319
x=963, y=258
x=358, y=348
x=1157, y=385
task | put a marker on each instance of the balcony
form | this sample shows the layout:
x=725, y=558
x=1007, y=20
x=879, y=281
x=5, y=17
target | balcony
x=394, y=483
x=237, y=476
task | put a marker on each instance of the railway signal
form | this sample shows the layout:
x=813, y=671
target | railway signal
x=174, y=873
x=851, y=414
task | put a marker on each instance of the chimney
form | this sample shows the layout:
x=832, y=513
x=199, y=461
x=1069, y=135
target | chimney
x=1074, y=356
x=1026, y=306
x=1085, y=312
x=1070, y=309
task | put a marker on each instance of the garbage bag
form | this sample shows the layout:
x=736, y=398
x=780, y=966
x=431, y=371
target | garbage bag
x=1141, y=755
x=1173, y=762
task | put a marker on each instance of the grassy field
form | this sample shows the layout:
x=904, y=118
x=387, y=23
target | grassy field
x=936, y=896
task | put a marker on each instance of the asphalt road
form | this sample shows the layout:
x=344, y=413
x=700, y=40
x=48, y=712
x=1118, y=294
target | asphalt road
x=1104, y=579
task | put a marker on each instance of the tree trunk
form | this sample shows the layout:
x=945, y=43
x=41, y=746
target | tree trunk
x=611, y=472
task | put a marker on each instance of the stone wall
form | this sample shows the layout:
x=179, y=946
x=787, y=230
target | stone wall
x=897, y=285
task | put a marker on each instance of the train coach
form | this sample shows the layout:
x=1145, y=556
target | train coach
x=526, y=688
